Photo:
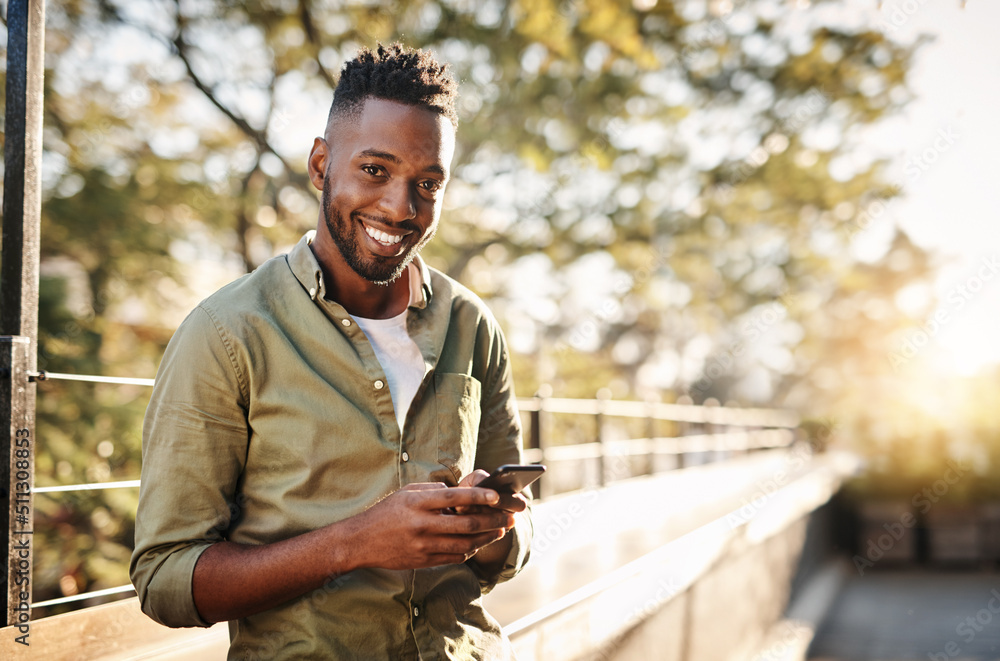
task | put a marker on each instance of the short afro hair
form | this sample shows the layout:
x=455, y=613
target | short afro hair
x=395, y=73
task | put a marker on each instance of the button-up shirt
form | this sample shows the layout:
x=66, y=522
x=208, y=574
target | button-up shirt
x=271, y=418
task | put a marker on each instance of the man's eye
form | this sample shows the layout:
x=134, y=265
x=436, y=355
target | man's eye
x=373, y=170
x=431, y=185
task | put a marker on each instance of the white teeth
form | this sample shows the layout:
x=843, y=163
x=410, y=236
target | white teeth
x=382, y=237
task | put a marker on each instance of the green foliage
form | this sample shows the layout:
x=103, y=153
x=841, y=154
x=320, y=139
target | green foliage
x=686, y=185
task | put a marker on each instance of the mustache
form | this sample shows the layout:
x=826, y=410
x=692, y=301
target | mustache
x=382, y=220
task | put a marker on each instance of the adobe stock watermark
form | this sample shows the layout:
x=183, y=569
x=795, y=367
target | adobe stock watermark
x=916, y=166
x=666, y=589
x=716, y=31
x=617, y=466
x=560, y=523
x=812, y=104
x=751, y=330
x=583, y=331
x=793, y=636
x=273, y=640
x=956, y=299
x=969, y=628
x=870, y=213
x=924, y=501
x=764, y=490
x=899, y=14
x=584, y=158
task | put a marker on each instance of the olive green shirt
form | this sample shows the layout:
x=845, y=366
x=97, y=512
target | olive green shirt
x=271, y=417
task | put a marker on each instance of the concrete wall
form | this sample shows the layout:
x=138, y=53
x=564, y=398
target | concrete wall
x=715, y=593
x=726, y=614
x=692, y=565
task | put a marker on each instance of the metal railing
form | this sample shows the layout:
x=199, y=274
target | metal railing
x=43, y=375
x=708, y=432
x=701, y=429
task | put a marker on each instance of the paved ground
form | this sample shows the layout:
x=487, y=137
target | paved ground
x=905, y=615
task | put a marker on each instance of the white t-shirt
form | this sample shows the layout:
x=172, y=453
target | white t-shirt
x=397, y=353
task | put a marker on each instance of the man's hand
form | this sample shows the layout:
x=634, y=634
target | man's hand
x=491, y=557
x=414, y=527
x=411, y=528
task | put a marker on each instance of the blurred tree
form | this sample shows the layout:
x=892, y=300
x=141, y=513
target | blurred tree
x=661, y=197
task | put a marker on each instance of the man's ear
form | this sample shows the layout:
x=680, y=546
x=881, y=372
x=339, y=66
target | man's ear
x=317, y=162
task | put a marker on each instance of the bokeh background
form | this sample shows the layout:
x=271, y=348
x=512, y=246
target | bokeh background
x=768, y=203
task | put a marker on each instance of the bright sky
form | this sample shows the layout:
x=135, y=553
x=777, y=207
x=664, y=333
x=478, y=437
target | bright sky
x=951, y=206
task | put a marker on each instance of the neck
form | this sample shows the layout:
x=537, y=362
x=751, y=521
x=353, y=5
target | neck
x=360, y=297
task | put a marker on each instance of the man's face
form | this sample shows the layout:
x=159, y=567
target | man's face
x=383, y=177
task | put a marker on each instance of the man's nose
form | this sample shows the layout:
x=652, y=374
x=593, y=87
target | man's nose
x=399, y=202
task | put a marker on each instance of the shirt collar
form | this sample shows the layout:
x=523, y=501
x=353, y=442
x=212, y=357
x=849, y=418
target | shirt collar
x=307, y=271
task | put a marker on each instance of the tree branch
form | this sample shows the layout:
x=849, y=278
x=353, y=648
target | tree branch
x=305, y=15
x=180, y=47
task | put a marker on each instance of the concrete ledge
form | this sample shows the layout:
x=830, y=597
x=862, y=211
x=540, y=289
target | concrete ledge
x=582, y=536
x=118, y=631
x=736, y=569
x=601, y=583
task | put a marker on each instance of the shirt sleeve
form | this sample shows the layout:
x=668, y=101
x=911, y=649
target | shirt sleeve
x=500, y=443
x=194, y=448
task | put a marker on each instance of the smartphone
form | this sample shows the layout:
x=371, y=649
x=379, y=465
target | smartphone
x=512, y=478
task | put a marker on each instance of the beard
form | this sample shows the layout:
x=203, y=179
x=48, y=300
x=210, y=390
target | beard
x=376, y=269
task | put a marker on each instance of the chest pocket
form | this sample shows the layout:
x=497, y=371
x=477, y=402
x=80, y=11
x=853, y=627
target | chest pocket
x=457, y=397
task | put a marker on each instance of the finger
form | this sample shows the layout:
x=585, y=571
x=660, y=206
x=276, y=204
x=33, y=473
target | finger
x=490, y=520
x=469, y=550
x=424, y=486
x=439, y=559
x=512, y=502
x=471, y=525
x=474, y=509
x=458, y=497
x=468, y=544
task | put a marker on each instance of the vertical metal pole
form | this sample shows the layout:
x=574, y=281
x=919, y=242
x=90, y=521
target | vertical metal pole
x=683, y=429
x=22, y=204
x=17, y=443
x=603, y=395
x=535, y=432
x=650, y=439
x=538, y=489
x=709, y=429
x=22, y=201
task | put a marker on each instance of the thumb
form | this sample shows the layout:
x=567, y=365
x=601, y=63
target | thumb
x=473, y=478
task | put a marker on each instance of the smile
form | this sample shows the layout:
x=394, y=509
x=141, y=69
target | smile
x=384, y=238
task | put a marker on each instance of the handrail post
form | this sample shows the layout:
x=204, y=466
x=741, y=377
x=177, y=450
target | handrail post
x=603, y=395
x=22, y=204
x=536, y=436
x=683, y=429
x=712, y=428
x=17, y=401
x=650, y=436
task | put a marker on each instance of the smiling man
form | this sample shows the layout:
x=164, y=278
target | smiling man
x=317, y=427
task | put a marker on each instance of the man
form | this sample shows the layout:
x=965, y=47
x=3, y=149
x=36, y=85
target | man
x=317, y=427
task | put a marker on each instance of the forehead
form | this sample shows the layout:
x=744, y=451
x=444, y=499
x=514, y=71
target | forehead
x=414, y=134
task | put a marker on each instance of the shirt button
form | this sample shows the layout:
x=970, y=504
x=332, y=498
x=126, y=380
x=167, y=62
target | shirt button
x=416, y=612
x=346, y=322
x=312, y=293
x=379, y=385
x=406, y=456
